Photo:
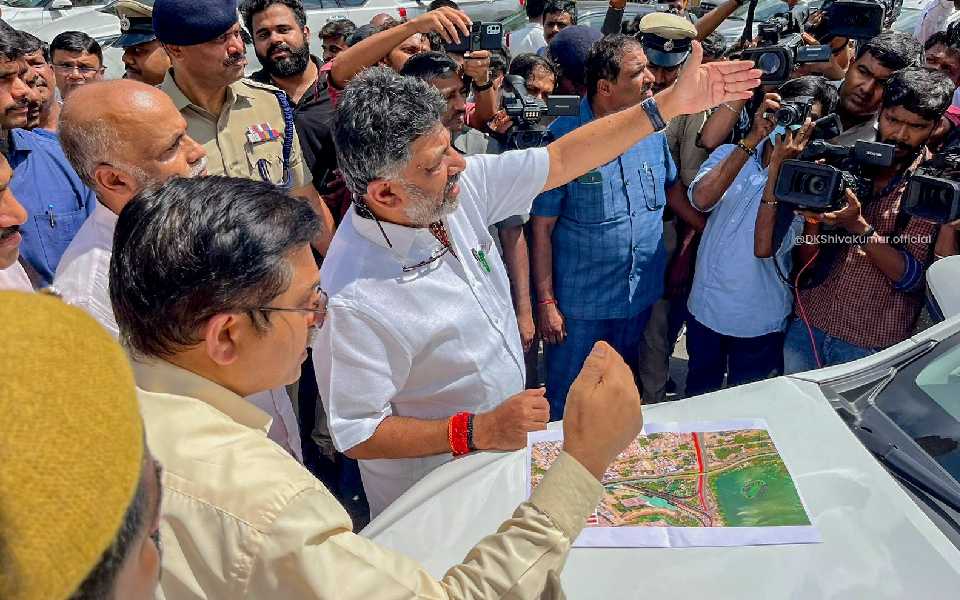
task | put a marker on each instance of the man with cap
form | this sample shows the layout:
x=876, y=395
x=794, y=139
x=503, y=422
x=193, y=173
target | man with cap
x=246, y=127
x=79, y=490
x=569, y=50
x=666, y=39
x=144, y=58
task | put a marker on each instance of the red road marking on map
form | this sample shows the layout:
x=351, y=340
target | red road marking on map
x=696, y=445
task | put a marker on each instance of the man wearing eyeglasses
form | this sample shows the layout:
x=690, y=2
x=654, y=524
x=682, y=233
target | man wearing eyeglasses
x=217, y=295
x=77, y=60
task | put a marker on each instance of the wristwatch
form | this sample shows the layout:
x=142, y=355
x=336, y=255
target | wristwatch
x=649, y=106
x=484, y=87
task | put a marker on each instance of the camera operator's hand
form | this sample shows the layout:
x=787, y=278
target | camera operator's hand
x=791, y=144
x=500, y=123
x=850, y=217
x=476, y=65
x=763, y=120
x=550, y=321
x=451, y=24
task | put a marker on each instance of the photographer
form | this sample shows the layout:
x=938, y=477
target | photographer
x=738, y=304
x=872, y=290
x=598, y=254
x=862, y=90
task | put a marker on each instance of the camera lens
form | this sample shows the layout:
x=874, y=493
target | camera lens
x=787, y=115
x=769, y=63
x=812, y=185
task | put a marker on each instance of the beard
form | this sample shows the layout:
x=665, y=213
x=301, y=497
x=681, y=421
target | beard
x=424, y=209
x=294, y=64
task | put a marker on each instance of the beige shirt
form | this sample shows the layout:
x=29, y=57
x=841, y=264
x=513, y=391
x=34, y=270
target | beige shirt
x=237, y=140
x=682, y=134
x=242, y=519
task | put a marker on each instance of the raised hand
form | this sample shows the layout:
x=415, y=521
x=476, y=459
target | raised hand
x=450, y=23
x=700, y=86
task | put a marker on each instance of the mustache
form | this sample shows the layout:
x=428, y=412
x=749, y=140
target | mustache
x=450, y=183
x=235, y=60
x=6, y=232
x=279, y=46
x=199, y=168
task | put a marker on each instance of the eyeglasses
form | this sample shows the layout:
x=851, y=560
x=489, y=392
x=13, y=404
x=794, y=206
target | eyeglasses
x=84, y=71
x=319, y=311
x=435, y=256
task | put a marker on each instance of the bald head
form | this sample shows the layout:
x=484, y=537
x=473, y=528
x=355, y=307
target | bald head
x=124, y=129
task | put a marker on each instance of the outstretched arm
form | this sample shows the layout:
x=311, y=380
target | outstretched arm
x=697, y=88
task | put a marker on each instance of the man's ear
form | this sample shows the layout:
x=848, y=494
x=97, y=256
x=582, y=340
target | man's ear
x=221, y=338
x=604, y=88
x=173, y=50
x=112, y=182
x=380, y=193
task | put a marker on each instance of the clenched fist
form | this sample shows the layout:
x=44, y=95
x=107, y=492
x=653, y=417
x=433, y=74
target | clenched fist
x=506, y=426
x=602, y=413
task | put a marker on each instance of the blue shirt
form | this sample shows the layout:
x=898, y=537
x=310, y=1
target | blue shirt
x=735, y=293
x=608, y=253
x=55, y=199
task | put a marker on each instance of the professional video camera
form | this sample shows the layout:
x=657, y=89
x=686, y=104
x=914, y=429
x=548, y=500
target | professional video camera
x=782, y=47
x=934, y=192
x=854, y=19
x=820, y=188
x=483, y=36
x=527, y=112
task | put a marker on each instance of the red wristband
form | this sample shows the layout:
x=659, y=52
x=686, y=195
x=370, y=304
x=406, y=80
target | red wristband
x=548, y=301
x=458, y=433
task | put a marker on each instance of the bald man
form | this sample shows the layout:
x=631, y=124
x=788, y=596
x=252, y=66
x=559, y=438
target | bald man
x=122, y=136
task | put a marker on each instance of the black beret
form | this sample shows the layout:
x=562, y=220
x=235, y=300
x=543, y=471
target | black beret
x=190, y=22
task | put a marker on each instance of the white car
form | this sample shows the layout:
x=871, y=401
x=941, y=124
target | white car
x=48, y=18
x=873, y=446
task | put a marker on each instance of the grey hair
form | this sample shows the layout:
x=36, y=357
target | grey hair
x=87, y=145
x=379, y=117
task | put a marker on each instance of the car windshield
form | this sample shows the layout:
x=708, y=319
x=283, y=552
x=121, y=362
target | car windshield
x=765, y=10
x=924, y=401
x=23, y=3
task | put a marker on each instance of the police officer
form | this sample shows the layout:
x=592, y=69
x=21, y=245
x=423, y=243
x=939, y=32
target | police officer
x=246, y=127
x=667, y=39
x=144, y=58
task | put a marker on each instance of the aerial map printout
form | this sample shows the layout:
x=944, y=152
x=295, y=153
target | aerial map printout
x=718, y=483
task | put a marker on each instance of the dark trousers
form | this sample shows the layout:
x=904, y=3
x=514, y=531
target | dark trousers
x=743, y=360
x=565, y=360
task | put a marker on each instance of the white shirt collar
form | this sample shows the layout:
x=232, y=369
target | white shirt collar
x=407, y=243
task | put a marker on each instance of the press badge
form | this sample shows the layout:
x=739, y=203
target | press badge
x=591, y=177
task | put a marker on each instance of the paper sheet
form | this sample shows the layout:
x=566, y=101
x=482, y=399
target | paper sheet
x=716, y=483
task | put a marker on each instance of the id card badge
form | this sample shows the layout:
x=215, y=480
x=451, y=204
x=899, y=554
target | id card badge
x=591, y=177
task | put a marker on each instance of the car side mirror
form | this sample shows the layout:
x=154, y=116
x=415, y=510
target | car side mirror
x=61, y=5
x=943, y=293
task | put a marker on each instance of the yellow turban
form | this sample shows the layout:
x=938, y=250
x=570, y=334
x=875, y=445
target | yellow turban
x=71, y=445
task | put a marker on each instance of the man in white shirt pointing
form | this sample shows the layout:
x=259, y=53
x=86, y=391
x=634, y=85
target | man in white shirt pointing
x=419, y=357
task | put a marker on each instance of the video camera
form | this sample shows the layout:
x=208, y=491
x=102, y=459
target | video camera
x=782, y=47
x=527, y=112
x=854, y=19
x=820, y=188
x=933, y=192
x=483, y=36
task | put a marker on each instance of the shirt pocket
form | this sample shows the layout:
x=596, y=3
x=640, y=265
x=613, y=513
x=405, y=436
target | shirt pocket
x=653, y=181
x=266, y=161
x=55, y=232
x=588, y=201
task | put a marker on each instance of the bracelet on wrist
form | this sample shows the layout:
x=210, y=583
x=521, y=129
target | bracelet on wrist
x=459, y=434
x=864, y=237
x=751, y=151
x=547, y=301
x=484, y=87
x=773, y=202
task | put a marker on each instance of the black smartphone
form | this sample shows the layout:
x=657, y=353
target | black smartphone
x=483, y=36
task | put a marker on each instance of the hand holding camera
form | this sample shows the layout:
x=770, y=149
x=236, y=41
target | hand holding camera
x=791, y=144
x=849, y=217
x=452, y=25
x=476, y=66
x=763, y=120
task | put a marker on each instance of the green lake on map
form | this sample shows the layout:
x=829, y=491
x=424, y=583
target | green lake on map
x=759, y=494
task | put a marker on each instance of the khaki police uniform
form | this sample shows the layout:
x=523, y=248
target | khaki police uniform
x=247, y=133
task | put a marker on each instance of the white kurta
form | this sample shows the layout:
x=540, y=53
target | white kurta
x=429, y=342
x=83, y=279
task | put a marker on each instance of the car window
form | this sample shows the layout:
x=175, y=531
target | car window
x=22, y=3
x=765, y=9
x=924, y=401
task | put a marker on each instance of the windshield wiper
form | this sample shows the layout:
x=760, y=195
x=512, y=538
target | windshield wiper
x=880, y=436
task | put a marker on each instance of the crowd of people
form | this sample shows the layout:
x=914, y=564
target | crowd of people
x=277, y=302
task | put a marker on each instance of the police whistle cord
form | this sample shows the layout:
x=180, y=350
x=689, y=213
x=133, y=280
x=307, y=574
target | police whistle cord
x=803, y=313
x=288, y=132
